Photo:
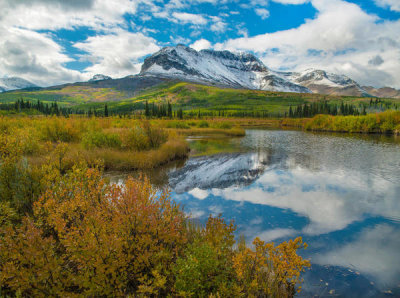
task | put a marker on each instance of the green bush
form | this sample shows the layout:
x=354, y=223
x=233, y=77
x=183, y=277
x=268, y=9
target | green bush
x=99, y=139
x=224, y=125
x=203, y=272
x=177, y=124
x=203, y=124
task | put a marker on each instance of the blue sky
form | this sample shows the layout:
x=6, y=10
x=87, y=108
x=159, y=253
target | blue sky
x=58, y=41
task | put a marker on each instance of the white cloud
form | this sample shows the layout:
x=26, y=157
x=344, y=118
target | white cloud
x=57, y=14
x=39, y=58
x=116, y=54
x=375, y=253
x=342, y=39
x=191, y=18
x=198, y=193
x=271, y=235
x=35, y=57
x=325, y=203
x=201, y=44
x=391, y=4
x=262, y=12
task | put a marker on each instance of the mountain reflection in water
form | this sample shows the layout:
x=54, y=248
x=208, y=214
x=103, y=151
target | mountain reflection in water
x=340, y=193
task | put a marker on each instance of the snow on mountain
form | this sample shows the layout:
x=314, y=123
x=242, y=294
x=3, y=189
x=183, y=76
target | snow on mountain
x=14, y=83
x=99, y=77
x=320, y=81
x=221, y=68
x=243, y=70
x=219, y=171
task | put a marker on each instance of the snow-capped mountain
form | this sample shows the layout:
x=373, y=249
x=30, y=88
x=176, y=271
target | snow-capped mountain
x=243, y=70
x=99, y=77
x=221, y=68
x=219, y=171
x=14, y=83
x=320, y=81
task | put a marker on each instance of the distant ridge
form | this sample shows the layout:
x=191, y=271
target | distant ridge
x=14, y=83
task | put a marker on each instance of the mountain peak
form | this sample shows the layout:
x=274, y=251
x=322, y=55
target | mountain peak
x=221, y=68
x=99, y=77
x=14, y=83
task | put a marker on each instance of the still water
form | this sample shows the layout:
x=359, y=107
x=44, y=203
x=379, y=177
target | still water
x=340, y=193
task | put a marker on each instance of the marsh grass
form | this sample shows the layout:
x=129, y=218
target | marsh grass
x=384, y=123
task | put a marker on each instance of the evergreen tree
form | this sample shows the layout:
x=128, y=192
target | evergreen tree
x=146, y=110
x=105, y=111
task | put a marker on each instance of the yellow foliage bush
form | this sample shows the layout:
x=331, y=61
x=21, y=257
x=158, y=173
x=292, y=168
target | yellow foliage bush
x=89, y=238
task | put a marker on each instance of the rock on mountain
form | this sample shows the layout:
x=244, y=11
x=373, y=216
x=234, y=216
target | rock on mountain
x=14, y=83
x=99, y=77
x=383, y=92
x=320, y=81
x=220, y=68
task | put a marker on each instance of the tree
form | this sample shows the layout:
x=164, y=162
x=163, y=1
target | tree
x=105, y=111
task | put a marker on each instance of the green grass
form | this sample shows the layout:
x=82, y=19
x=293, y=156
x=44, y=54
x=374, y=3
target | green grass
x=190, y=97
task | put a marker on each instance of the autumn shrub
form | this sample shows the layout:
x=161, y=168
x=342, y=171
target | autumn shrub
x=136, y=139
x=93, y=239
x=144, y=136
x=87, y=237
x=19, y=184
x=384, y=122
x=60, y=129
x=100, y=139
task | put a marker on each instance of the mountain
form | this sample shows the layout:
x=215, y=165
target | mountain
x=322, y=82
x=219, y=68
x=383, y=92
x=243, y=70
x=14, y=83
x=219, y=171
x=99, y=77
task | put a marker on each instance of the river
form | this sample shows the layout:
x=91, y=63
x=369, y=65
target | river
x=340, y=192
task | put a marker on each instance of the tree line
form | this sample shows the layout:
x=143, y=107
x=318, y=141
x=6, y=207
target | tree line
x=316, y=108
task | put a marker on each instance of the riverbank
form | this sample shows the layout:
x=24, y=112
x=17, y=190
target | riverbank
x=115, y=143
x=381, y=123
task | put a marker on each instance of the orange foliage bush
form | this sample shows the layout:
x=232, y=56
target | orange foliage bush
x=89, y=238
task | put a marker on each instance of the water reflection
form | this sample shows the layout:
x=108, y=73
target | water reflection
x=342, y=194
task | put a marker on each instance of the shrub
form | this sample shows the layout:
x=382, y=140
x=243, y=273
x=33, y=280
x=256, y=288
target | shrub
x=60, y=129
x=177, y=124
x=18, y=183
x=203, y=124
x=89, y=238
x=144, y=137
x=135, y=139
x=99, y=139
x=224, y=125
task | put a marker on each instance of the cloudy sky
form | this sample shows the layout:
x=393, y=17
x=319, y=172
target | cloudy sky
x=56, y=41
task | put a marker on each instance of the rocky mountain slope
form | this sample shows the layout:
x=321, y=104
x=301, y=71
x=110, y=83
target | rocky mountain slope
x=243, y=70
x=322, y=82
x=383, y=92
x=220, y=68
x=14, y=83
